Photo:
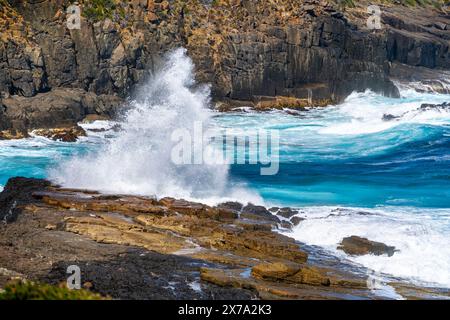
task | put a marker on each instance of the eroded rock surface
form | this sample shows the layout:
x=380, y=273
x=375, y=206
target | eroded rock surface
x=140, y=247
x=358, y=246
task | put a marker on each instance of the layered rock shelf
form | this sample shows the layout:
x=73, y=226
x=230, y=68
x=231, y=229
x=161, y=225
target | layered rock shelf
x=134, y=247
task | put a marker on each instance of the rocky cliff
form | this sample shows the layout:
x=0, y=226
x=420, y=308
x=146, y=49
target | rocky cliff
x=265, y=53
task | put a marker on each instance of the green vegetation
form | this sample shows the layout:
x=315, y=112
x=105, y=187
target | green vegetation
x=99, y=9
x=25, y=290
x=347, y=3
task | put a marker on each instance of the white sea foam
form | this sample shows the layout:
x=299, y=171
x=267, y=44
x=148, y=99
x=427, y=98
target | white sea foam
x=138, y=159
x=362, y=113
x=420, y=235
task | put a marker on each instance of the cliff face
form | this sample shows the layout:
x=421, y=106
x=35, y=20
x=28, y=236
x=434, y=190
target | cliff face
x=247, y=50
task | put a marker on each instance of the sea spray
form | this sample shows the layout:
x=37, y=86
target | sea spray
x=138, y=160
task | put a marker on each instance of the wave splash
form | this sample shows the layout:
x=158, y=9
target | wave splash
x=138, y=159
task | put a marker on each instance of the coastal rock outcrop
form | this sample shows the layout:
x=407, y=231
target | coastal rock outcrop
x=437, y=107
x=175, y=241
x=59, y=108
x=358, y=246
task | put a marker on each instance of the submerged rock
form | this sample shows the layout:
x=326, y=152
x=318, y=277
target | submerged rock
x=357, y=246
x=234, y=206
x=286, y=212
x=296, y=220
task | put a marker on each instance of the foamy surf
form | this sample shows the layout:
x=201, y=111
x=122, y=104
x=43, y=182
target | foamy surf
x=365, y=113
x=420, y=235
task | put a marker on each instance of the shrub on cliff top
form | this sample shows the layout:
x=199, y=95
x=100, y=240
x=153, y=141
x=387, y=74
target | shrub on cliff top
x=26, y=290
x=98, y=9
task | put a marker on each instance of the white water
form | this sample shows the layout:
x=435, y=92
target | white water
x=358, y=114
x=420, y=235
x=138, y=160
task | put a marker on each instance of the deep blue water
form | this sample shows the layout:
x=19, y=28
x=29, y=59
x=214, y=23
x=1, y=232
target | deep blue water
x=409, y=171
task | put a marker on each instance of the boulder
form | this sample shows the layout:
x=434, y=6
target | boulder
x=251, y=211
x=389, y=117
x=438, y=107
x=70, y=134
x=296, y=220
x=287, y=212
x=358, y=246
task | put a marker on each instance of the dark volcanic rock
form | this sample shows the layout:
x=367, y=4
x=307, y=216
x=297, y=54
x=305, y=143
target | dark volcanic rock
x=18, y=192
x=251, y=211
x=296, y=220
x=357, y=246
x=389, y=117
x=60, y=108
x=235, y=206
x=287, y=212
x=439, y=107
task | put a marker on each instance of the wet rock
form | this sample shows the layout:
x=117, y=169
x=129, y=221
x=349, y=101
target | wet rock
x=438, y=107
x=357, y=246
x=198, y=209
x=18, y=192
x=134, y=247
x=290, y=272
x=95, y=117
x=286, y=212
x=234, y=206
x=62, y=134
x=251, y=211
x=311, y=276
x=142, y=275
x=389, y=117
x=286, y=224
x=296, y=220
